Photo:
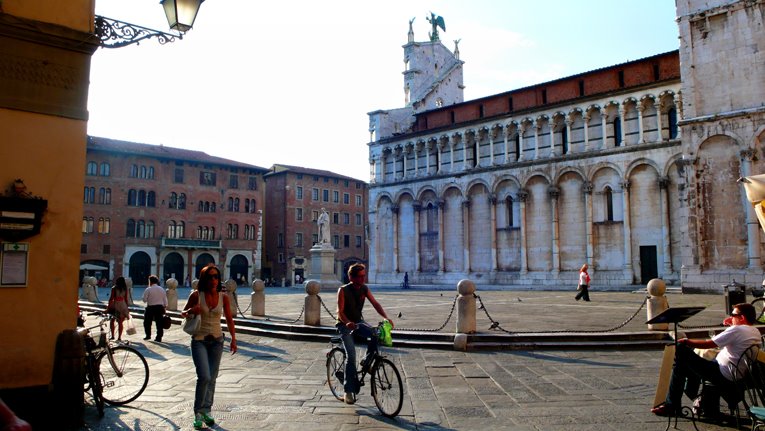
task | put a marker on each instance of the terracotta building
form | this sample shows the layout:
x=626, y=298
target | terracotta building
x=151, y=209
x=296, y=197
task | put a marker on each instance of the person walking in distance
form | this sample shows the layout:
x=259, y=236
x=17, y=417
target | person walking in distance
x=118, y=306
x=350, y=303
x=156, y=301
x=584, y=285
x=207, y=343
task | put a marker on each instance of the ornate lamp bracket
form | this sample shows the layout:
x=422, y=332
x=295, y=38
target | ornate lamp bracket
x=115, y=34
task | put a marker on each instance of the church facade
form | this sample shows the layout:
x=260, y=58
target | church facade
x=609, y=168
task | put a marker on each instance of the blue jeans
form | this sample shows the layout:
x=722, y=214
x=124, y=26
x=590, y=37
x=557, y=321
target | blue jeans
x=206, y=355
x=688, y=372
x=363, y=331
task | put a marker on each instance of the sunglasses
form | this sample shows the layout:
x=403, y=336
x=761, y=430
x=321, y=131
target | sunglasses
x=736, y=314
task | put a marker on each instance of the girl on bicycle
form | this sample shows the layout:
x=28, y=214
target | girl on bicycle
x=207, y=343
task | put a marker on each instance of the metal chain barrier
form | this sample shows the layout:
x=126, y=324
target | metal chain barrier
x=302, y=310
x=325, y=307
x=241, y=313
x=451, y=312
x=495, y=324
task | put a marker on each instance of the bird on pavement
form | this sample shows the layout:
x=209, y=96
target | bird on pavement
x=519, y=299
x=494, y=325
x=400, y=314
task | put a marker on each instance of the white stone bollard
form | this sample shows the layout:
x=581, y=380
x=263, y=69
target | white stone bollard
x=231, y=292
x=657, y=303
x=89, y=291
x=466, y=307
x=129, y=284
x=172, y=294
x=258, y=298
x=312, y=312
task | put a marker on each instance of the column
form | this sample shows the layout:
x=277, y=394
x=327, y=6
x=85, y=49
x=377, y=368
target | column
x=394, y=211
x=586, y=119
x=752, y=224
x=403, y=157
x=466, y=234
x=569, y=123
x=493, y=210
x=553, y=151
x=640, y=109
x=520, y=142
x=490, y=134
x=522, y=196
x=464, y=139
x=664, y=208
x=427, y=157
x=452, y=143
x=554, y=193
x=440, y=146
x=624, y=126
x=587, y=189
x=417, y=208
x=415, y=150
x=660, y=135
x=441, y=234
x=537, y=126
x=604, y=125
x=627, y=231
x=503, y=130
x=678, y=100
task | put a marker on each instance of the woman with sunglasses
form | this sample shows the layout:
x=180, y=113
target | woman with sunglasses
x=207, y=342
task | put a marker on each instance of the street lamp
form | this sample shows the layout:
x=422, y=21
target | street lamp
x=180, y=16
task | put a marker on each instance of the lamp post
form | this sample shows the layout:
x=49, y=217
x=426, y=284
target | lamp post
x=180, y=17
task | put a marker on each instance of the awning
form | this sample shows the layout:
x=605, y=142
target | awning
x=92, y=267
x=755, y=193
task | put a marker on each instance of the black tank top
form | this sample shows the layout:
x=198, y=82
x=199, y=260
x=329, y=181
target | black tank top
x=354, y=302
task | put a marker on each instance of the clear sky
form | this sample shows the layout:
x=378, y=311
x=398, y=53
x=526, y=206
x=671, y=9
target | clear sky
x=291, y=81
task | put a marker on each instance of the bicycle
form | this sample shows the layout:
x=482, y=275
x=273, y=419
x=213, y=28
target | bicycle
x=119, y=379
x=385, y=380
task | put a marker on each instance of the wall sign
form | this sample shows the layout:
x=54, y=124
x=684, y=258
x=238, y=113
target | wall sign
x=14, y=262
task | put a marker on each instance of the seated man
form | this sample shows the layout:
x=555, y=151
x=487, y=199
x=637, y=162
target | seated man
x=690, y=369
x=350, y=303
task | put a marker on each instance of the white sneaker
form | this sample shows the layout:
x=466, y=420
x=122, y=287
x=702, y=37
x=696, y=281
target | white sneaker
x=349, y=398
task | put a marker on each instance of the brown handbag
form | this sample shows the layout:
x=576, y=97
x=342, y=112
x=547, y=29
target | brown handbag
x=166, y=322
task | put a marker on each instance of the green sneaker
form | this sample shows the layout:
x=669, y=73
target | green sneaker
x=198, y=421
x=209, y=421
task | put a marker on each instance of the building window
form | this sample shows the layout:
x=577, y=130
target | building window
x=314, y=215
x=299, y=214
x=149, y=229
x=233, y=231
x=298, y=239
x=509, y=209
x=107, y=249
x=335, y=196
x=346, y=241
x=325, y=195
x=105, y=196
x=358, y=219
x=281, y=257
x=672, y=120
x=358, y=241
x=104, y=226
x=134, y=171
x=233, y=181
x=151, y=199
x=299, y=192
x=179, y=175
x=207, y=178
x=252, y=183
x=87, y=225
x=105, y=169
x=130, y=231
x=609, y=202
x=346, y=218
x=336, y=241
x=236, y=205
x=173, y=200
x=92, y=169
x=143, y=172
x=336, y=218
x=150, y=175
x=315, y=238
x=83, y=248
x=617, y=131
x=358, y=200
x=280, y=240
x=346, y=198
x=89, y=195
x=315, y=194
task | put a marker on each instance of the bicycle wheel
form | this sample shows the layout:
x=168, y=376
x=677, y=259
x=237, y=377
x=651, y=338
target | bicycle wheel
x=336, y=372
x=759, y=308
x=387, y=389
x=127, y=378
x=96, y=386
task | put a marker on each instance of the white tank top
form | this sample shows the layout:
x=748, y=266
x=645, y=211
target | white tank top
x=210, y=318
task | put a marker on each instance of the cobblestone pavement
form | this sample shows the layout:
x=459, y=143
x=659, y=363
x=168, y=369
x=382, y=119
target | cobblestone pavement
x=277, y=384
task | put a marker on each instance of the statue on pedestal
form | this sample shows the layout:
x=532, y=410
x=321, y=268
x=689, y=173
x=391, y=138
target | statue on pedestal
x=323, y=222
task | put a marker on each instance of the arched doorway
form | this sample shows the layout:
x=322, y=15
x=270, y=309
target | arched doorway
x=173, y=267
x=203, y=260
x=238, y=269
x=140, y=268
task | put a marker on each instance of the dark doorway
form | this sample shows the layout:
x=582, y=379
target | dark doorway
x=648, y=264
x=140, y=268
x=238, y=269
x=203, y=260
x=173, y=267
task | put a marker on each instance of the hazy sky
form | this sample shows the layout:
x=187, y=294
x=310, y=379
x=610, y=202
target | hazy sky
x=292, y=81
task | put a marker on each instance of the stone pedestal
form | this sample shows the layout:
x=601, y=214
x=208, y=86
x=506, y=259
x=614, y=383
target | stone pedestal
x=323, y=267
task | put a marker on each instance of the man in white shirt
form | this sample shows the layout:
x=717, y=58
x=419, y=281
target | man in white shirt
x=155, y=299
x=690, y=368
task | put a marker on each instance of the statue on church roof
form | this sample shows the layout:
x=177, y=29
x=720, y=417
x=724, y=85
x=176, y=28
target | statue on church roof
x=435, y=21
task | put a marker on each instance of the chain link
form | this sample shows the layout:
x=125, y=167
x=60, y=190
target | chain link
x=496, y=325
x=302, y=310
x=241, y=313
x=451, y=312
x=325, y=307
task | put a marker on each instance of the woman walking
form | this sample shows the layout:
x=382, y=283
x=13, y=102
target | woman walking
x=207, y=343
x=584, y=285
x=118, y=306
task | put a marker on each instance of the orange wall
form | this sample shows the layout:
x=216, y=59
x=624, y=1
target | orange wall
x=75, y=14
x=48, y=154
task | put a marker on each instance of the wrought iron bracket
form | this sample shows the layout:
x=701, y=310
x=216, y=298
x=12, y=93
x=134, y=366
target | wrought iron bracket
x=113, y=33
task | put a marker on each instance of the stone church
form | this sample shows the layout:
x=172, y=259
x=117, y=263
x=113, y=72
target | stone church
x=630, y=168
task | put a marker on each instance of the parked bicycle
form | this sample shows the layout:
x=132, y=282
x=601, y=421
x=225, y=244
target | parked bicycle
x=385, y=380
x=114, y=372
